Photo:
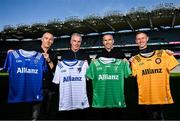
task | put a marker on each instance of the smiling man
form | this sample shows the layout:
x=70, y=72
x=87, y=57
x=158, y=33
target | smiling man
x=152, y=67
x=109, y=51
x=75, y=52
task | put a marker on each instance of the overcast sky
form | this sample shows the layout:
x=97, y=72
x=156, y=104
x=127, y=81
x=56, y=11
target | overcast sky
x=15, y=12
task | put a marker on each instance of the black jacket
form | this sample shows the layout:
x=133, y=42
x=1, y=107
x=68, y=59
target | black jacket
x=48, y=76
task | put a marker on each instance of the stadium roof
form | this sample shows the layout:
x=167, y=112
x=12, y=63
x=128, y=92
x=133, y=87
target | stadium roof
x=113, y=21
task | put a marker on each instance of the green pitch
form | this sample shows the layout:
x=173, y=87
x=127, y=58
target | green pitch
x=4, y=74
x=175, y=74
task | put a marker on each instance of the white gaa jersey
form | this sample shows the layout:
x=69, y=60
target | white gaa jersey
x=70, y=75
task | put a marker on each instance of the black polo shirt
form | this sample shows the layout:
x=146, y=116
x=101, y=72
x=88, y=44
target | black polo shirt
x=114, y=53
x=71, y=55
x=145, y=50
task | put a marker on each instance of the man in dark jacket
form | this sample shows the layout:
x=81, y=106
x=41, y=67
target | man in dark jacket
x=109, y=51
x=47, y=106
x=75, y=52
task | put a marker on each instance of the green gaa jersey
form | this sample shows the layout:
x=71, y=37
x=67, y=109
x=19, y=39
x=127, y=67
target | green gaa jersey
x=108, y=76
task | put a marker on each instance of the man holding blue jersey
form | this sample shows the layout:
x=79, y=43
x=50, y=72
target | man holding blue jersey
x=48, y=105
x=40, y=109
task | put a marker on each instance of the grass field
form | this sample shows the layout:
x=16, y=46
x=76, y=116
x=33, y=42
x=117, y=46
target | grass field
x=175, y=74
x=4, y=74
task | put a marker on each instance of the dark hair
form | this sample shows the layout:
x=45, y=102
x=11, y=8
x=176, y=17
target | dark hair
x=107, y=34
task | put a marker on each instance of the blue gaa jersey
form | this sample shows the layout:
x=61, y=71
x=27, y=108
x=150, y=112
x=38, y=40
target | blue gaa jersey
x=25, y=70
x=70, y=75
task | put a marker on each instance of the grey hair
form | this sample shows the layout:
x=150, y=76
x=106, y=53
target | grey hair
x=76, y=34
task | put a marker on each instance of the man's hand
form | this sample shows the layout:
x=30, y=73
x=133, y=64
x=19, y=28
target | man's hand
x=10, y=50
x=169, y=52
x=130, y=60
x=48, y=60
x=46, y=56
x=126, y=60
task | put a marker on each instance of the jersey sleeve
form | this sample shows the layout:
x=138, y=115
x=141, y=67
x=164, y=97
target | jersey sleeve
x=45, y=66
x=85, y=65
x=90, y=71
x=172, y=62
x=127, y=69
x=133, y=67
x=7, y=64
x=56, y=78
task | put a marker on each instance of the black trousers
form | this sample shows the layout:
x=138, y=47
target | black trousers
x=19, y=111
x=152, y=112
x=107, y=114
x=48, y=108
x=78, y=114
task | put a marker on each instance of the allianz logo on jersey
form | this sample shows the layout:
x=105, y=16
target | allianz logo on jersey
x=71, y=78
x=151, y=71
x=108, y=77
x=27, y=70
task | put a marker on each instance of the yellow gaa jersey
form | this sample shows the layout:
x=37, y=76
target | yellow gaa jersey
x=153, y=77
